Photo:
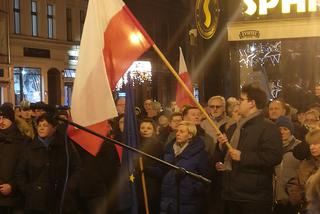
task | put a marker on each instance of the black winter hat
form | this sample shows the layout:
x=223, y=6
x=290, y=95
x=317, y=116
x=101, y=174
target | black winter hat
x=7, y=112
x=283, y=121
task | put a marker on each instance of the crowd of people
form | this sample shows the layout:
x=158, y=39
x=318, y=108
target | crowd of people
x=265, y=158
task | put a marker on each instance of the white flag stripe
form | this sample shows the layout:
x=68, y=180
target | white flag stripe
x=182, y=63
x=92, y=100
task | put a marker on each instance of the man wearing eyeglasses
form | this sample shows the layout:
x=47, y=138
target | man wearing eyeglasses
x=217, y=112
x=249, y=164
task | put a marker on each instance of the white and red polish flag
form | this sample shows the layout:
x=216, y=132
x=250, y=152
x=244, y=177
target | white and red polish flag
x=182, y=98
x=112, y=39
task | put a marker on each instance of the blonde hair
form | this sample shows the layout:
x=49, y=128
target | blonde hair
x=313, y=135
x=315, y=113
x=232, y=103
x=192, y=129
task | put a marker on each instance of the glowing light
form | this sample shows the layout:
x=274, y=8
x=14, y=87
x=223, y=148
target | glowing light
x=265, y=5
x=136, y=38
x=276, y=88
x=312, y=5
x=258, y=54
x=139, y=71
x=286, y=4
x=251, y=7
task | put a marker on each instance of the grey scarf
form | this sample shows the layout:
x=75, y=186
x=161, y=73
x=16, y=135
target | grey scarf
x=236, y=137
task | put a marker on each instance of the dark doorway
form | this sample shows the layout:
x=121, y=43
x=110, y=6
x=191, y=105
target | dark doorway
x=54, y=87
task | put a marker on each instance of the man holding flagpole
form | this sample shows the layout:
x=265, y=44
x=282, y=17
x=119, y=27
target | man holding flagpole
x=247, y=185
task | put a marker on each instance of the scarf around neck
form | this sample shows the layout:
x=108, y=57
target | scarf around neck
x=236, y=137
x=46, y=141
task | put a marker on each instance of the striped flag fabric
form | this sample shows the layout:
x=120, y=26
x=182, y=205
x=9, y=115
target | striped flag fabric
x=112, y=39
x=182, y=98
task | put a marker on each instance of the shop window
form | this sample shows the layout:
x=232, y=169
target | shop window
x=259, y=64
x=287, y=68
x=27, y=84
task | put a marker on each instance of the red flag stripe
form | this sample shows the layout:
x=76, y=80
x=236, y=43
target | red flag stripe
x=146, y=35
x=119, y=50
x=88, y=141
x=182, y=98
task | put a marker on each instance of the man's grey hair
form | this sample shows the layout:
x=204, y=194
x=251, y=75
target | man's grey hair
x=218, y=98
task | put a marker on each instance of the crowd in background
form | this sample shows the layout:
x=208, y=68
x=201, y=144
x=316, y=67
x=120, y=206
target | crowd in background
x=272, y=165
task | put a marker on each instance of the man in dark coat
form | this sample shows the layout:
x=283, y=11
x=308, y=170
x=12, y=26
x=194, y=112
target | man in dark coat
x=249, y=164
x=11, y=146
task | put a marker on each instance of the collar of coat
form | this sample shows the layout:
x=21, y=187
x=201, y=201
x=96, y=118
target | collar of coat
x=252, y=120
x=194, y=147
x=56, y=142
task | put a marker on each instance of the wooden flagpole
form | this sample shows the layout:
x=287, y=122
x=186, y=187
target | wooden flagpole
x=144, y=188
x=171, y=69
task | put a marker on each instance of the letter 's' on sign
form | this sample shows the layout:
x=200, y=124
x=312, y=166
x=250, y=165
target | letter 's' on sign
x=251, y=7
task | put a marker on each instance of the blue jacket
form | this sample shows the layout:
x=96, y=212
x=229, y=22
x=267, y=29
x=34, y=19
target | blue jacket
x=192, y=192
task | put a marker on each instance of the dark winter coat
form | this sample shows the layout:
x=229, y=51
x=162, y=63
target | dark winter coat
x=164, y=133
x=41, y=173
x=98, y=174
x=153, y=147
x=11, y=146
x=261, y=150
x=194, y=158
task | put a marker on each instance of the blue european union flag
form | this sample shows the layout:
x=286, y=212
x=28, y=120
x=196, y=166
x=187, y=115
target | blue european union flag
x=130, y=137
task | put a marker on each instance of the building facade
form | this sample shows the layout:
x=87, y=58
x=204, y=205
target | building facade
x=40, y=47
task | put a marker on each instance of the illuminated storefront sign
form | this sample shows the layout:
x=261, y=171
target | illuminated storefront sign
x=262, y=7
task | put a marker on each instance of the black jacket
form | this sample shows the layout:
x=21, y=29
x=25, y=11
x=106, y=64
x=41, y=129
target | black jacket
x=41, y=174
x=99, y=173
x=11, y=146
x=155, y=148
x=261, y=150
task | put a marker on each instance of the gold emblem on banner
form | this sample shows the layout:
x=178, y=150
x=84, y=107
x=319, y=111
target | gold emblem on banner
x=207, y=17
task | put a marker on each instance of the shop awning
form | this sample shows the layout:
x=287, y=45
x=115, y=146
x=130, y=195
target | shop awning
x=274, y=29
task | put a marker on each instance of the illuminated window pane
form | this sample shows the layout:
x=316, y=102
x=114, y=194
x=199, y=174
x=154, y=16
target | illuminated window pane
x=27, y=84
